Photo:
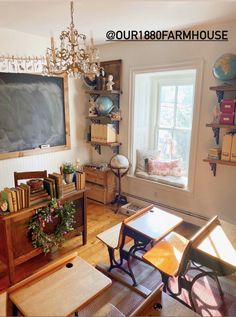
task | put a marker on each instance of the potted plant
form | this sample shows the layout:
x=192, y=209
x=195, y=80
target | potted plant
x=68, y=170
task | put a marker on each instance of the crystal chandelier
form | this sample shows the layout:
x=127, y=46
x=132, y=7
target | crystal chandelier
x=73, y=57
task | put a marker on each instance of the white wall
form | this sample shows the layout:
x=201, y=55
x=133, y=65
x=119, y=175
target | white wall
x=21, y=44
x=211, y=195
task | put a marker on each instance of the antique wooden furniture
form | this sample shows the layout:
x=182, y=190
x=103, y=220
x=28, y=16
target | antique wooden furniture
x=16, y=247
x=28, y=175
x=59, y=291
x=148, y=225
x=101, y=184
x=3, y=303
x=172, y=257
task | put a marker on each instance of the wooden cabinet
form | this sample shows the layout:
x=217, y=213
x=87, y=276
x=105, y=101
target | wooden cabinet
x=216, y=127
x=16, y=247
x=101, y=185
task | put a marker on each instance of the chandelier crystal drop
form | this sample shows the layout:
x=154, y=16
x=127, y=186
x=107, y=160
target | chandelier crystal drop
x=74, y=57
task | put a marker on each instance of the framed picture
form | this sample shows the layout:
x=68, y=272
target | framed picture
x=113, y=68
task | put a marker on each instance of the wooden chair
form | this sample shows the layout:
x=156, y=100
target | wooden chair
x=3, y=303
x=113, y=239
x=29, y=175
x=172, y=257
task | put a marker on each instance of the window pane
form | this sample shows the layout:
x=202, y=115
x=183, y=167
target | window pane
x=167, y=94
x=166, y=115
x=184, y=106
x=181, y=147
x=166, y=112
x=165, y=145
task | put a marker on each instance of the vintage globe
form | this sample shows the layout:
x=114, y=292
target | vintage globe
x=119, y=162
x=225, y=67
x=104, y=105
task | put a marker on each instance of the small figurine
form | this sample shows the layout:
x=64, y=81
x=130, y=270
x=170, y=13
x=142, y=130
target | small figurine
x=110, y=82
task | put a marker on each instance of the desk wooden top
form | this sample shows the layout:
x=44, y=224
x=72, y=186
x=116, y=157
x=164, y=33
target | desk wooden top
x=155, y=223
x=221, y=243
x=62, y=292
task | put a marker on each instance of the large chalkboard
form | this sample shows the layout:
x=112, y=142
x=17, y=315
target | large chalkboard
x=33, y=114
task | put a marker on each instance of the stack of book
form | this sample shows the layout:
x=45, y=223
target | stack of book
x=39, y=196
x=80, y=180
x=57, y=179
x=23, y=197
x=214, y=153
x=103, y=133
x=68, y=188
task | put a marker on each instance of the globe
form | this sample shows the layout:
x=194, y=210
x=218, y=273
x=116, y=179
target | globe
x=104, y=105
x=120, y=166
x=119, y=161
x=225, y=67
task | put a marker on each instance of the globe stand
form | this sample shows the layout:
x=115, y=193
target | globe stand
x=120, y=166
x=119, y=199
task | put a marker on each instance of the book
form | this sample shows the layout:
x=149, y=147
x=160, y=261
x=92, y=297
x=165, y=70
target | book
x=18, y=197
x=39, y=200
x=59, y=182
x=27, y=193
x=6, y=195
x=22, y=196
x=41, y=195
x=67, y=188
x=14, y=199
x=48, y=187
x=53, y=181
x=80, y=181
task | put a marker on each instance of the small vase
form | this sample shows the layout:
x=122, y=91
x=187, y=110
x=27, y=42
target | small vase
x=68, y=178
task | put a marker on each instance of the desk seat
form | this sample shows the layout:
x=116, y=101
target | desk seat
x=167, y=254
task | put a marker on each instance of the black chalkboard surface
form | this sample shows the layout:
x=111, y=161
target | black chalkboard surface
x=32, y=113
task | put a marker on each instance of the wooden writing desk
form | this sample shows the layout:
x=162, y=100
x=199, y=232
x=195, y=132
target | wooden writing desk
x=154, y=224
x=61, y=293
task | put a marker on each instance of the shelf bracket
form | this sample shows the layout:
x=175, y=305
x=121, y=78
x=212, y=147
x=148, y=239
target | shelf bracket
x=220, y=95
x=97, y=148
x=216, y=134
x=213, y=168
x=115, y=149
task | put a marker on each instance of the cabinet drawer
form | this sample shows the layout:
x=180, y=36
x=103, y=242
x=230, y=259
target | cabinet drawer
x=95, y=177
x=102, y=194
x=104, y=178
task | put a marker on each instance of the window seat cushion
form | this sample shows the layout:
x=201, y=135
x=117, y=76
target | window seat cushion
x=180, y=182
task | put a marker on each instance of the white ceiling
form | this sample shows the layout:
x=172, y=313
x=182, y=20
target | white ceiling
x=96, y=17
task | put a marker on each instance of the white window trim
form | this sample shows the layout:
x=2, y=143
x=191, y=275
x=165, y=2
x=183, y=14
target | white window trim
x=196, y=64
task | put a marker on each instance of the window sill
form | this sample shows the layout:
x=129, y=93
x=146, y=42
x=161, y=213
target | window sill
x=162, y=185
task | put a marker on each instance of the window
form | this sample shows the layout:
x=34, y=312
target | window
x=162, y=138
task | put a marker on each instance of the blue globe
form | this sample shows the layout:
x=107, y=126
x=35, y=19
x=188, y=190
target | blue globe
x=104, y=105
x=225, y=67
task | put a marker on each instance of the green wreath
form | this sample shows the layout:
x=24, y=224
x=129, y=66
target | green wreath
x=44, y=215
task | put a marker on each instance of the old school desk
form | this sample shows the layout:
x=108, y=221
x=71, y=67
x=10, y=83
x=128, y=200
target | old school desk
x=61, y=293
x=152, y=225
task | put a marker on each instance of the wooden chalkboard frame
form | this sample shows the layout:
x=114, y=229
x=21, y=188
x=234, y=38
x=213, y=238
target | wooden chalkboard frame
x=38, y=151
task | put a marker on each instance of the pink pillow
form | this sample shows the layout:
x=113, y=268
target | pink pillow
x=168, y=168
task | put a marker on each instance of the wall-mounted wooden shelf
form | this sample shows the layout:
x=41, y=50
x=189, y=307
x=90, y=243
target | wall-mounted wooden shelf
x=213, y=163
x=103, y=92
x=113, y=145
x=216, y=129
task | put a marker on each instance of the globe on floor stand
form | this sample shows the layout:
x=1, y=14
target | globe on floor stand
x=120, y=166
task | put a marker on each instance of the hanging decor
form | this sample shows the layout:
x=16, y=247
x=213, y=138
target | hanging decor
x=63, y=215
x=17, y=64
x=74, y=56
